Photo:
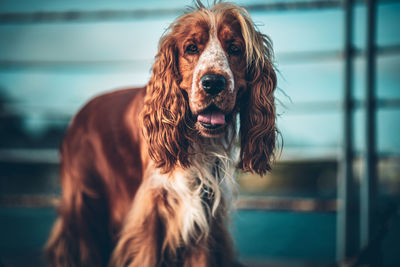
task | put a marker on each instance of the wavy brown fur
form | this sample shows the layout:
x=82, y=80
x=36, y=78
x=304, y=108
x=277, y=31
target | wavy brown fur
x=257, y=111
x=165, y=113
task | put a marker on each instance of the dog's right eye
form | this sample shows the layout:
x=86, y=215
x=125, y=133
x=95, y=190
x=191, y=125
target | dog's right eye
x=234, y=49
x=192, y=49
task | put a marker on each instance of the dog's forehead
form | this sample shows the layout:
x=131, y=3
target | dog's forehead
x=198, y=35
x=192, y=26
x=200, y=26
x=228, y=28
x=227, y=33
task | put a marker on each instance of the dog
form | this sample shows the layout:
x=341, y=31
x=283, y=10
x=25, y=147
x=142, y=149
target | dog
x=147, y=174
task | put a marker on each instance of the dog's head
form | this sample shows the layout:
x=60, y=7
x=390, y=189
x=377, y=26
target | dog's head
x=211, y=64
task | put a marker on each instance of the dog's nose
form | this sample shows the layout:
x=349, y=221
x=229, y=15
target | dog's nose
x=213, y=83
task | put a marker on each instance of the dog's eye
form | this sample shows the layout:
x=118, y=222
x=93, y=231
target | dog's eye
x=234, y=49
x=192, y=49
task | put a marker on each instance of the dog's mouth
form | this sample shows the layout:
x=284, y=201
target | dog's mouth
x=212, y=121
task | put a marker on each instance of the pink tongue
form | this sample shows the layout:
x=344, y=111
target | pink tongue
x=214, y=118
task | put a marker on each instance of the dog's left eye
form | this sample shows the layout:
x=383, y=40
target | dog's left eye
x=192, y=49
x=234, y=49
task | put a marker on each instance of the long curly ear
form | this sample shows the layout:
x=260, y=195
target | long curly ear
x=165, y=113
x=257, y=112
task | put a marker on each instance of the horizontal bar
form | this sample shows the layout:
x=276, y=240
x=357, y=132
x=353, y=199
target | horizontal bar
x=112, y=15
x=76, y=65
x=308, y=56
x=29, y=201
x=243, y=203
x=50, y=156
x=260, y=262
x=102, y=15
x=297, y=5
x=284, y=57
x=292, y=154
x=333, y=106
x=286, y=204
x=34, y=156
x=63, y=115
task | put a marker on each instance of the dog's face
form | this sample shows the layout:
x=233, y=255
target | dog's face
x=212, y=67
x=211, y=64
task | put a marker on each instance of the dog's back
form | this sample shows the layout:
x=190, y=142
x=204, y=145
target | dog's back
x=101, y=169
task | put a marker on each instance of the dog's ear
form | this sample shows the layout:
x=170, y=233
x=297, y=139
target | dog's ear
x=165, y=113
x=257, y=108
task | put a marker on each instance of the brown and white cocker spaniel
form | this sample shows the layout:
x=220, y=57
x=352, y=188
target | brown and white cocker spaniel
x=147, y=173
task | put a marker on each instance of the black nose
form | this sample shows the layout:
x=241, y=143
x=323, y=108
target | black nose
x=213, y=83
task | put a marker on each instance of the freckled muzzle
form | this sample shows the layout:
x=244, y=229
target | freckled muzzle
x=212, y=73
x=212, y=90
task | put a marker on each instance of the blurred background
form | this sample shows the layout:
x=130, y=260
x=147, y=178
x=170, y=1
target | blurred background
x=334, y=193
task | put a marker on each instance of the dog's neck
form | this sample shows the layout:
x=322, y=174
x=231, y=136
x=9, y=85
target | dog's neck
x=203, y=190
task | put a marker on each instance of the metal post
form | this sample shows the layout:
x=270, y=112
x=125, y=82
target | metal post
x=368, y=182
x=346, y=222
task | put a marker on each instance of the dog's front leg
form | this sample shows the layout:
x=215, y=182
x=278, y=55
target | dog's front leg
x=138, y=244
